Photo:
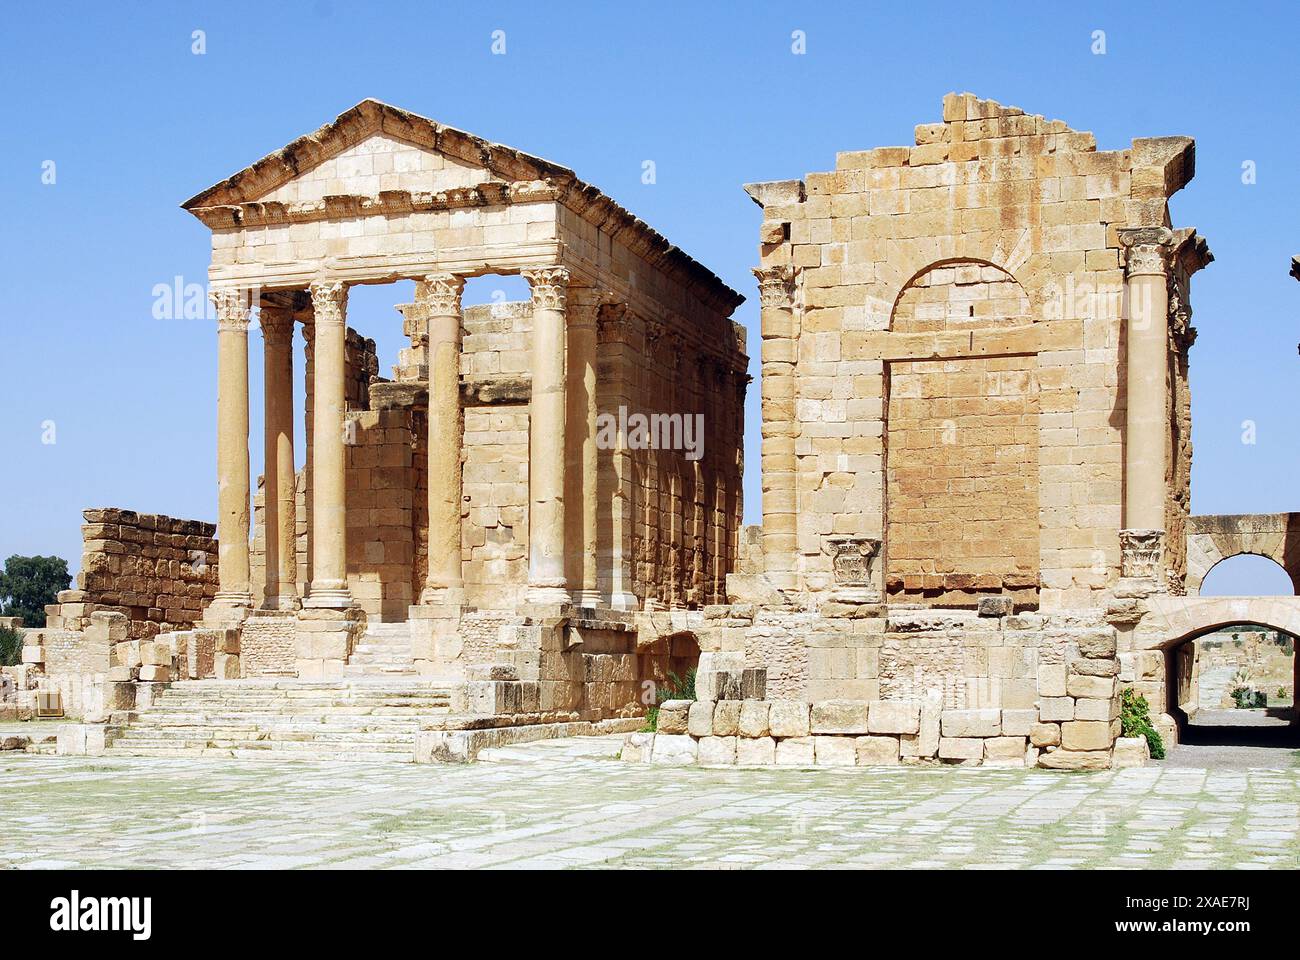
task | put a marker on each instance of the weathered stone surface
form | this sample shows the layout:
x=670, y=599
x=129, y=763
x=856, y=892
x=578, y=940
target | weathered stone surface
x=699, y=719
x=1045, y=734
x=1085, y=735
x=894, y=716
x=726, y=718
x=717, y=751
x=876, y=751
x=835, y=751
x=755, y=751
x=1130, y=752
x=795, y=752
x=1005, y=748
x=1086, y=709
x=1017, y=723
x=788, y=718
x=1098, y=644
x=1056, y=708
x=674, y=750
x=637, y=748
x=961, y=748
x=1097, y=688
x=1051, y=679
x=971, y=723
x=839, y=716
x=674, y=716
x=754, y=718
x=1075, y=759
x=926, y=742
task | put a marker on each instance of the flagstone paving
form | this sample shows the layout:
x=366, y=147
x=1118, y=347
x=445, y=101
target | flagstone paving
x=570, y=804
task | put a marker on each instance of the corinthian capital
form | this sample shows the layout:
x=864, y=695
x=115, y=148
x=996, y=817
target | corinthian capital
x=441, y=294
x=232, y=309
x=1147, y=250
x=775, y=286
x=550, y=286
x=329, y=301
x=277, y=324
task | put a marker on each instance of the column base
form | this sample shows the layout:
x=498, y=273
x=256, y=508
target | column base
x=442, y=596
x=328, y=598
x=548, y=596
x=285, y=602
x=589, y=599
x=228, y=608
x=624, y=601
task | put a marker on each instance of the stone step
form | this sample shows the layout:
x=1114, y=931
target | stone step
x=235, y=734
x=274, y=751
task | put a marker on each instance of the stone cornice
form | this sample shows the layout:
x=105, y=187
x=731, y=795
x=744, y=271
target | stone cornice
x=523, y=178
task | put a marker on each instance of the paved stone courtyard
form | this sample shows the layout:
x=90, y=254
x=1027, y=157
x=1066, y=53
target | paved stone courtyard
x=569, y=804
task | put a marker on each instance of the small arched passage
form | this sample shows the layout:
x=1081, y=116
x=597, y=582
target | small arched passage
x=1214, y=538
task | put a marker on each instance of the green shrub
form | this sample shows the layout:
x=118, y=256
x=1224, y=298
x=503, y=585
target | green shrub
x=1243, y=698
x=11, y=647
x=1135, y=721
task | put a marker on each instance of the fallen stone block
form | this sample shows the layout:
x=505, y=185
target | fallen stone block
x=1130, y=752
x=637, y=748
x=1075, y=759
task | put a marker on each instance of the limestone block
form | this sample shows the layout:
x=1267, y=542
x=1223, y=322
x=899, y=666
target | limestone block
x=676, y=750
x=1086, y=735
x=1005, y=748
x=1045, y=734
x=961, y=748
x=1017, y=723
x=839, y=716
x=637, y=747
x=1098, y=643
x=876, y=751
x=1130, y=752
x=119, y=696
x=225, y=666
x=1088, y=709
x=1083, y=666
x=788, y=718
x=795, y=752
x=717, y=751
x=926, y=741
x=833, y=751
x=754, y=718
x=994, y=607
x=726, y=718
x=1056, y=708
x=1097, y=688
x=894, y=716
x=1051, y=679
x=985, y=722
x=699, y=719
x=1075, y=759
x=755, y=751
x=154, y=673
x=674, y=717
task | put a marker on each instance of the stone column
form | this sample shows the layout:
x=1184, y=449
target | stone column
x=232, y=450
x=581, y=457
x=780, y=425
x=444, y=582
x=614, y=574
x=1146, y=435
x=546, y=580
x=329, y=586
x=280, y=511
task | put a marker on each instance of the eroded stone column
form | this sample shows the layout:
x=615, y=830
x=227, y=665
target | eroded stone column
x=780, y=425
x=546, y=580
x=444, y=582
x=234, y=590
x=329, y=586
x=1147, y=418
x=581, y=459
x=280, y=510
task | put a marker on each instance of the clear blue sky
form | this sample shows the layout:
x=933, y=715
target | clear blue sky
x=136, y=123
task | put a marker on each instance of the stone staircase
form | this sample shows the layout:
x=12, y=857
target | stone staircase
x=364, y=719
x=384, y=651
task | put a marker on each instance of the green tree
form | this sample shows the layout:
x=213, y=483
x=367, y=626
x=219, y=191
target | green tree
x=28, y=584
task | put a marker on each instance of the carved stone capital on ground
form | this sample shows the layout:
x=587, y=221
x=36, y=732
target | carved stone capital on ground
x=775, y=286
x=1142, y=553
x=1147, y=250
x=550, y=286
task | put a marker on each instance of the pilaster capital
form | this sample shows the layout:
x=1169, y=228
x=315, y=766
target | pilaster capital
x=440, y=293
x=233, y=309
x=775, y=286
x=329, y=301
x=549, y=285
x=277, y=325
x=1147, y=250
x=1141, y=553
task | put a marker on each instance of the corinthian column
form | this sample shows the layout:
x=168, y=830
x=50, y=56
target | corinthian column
x=546, y=579
x=581, y=460
x=280, y=511
x=1146, y=435
x=779, y=424
x=441, y=295
x=329, y=585
x=232, y=448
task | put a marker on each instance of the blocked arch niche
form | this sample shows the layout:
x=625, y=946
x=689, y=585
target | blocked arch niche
x=961, y=441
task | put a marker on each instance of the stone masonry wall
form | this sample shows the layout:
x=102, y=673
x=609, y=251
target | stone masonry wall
x=158, y=572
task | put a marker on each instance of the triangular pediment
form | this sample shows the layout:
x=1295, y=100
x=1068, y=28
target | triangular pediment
x=372, y=148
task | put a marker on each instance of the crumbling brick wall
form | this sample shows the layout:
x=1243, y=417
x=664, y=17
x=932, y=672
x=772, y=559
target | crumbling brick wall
x=159, y=572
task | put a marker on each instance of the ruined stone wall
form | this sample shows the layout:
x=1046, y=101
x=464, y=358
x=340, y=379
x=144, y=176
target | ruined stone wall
x=159, y=572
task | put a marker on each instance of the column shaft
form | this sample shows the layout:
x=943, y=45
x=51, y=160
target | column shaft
x=581, y=457
x=546, y=579
x=232, y=448
x=280, y=510
x=780, y=426
x=444, y=581
x=329, y=587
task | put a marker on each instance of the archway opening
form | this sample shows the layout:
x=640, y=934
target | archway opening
x=1247, y=575
x=1233, y=686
